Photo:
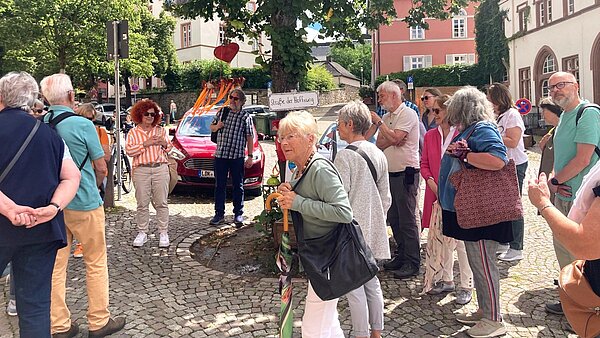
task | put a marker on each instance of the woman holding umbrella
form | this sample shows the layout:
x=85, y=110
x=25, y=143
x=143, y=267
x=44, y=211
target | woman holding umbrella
x=322, y=202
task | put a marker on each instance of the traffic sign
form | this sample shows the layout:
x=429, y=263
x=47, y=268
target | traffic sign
x=135, y=87
x=524, y=106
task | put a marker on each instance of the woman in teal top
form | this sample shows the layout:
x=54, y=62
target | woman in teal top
x=323, y=203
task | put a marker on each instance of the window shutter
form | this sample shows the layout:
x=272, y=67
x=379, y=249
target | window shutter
x=406, y=63
x=470, y=59
x=427, y=61
x=449, y=59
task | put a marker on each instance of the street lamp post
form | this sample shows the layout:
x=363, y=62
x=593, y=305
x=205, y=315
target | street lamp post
x=361, y=76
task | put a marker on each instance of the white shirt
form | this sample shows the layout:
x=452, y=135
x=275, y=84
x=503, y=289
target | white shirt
x=507, y=120
x=400, y=157
x=585, y=196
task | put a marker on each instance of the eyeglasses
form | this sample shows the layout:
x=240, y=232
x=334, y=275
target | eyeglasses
x=288, y=138
x=559, y=85
x=436, y=111
x=426, y=97
x=149, y=113
x=234, y=98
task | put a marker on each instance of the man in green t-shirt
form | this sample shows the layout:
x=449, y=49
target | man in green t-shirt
x=574, y=145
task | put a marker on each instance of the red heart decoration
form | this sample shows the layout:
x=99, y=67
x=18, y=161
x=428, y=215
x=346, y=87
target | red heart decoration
x=227, y=52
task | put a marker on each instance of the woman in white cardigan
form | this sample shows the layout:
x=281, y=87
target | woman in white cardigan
x=370, y=200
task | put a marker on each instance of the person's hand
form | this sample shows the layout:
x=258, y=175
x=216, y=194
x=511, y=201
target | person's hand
x=287, y=199
x=459, y=149
x=220, y=125
x=20, y=215
x=543, y=141
x=375, y=118
x=538, y=191
x=45, y=214
x=401, y=142
x=284, y=187
x=248, y=162
x=561, y=189
x=433, y=186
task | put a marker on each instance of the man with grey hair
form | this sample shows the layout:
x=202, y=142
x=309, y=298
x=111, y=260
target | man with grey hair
x=363, y=168
x=32, y=231
x=399, y=139
x=84, y=217
x=574, y=156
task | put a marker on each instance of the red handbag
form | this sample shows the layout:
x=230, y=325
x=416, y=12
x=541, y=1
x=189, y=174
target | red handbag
x=486, y=197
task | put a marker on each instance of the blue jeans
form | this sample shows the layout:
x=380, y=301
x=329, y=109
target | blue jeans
x=32, y=267
x=235, y=169
x=518, y=226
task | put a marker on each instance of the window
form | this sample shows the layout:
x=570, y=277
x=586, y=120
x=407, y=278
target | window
x=523, y=18
x=525, y=83
x=255, y=45
x=417, y=33
x=549, y=10
x=549, y=65
x=542, y=12
x=222, y=39
x=545, y=89
x=416, y=61
x=568, y=7
x=571, y=65
x=251, y=6
x=460, y=59
x=186, y=35
x=544, y=9
x=459, y=28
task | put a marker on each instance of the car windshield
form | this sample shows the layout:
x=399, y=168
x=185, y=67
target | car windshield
x=197, y=125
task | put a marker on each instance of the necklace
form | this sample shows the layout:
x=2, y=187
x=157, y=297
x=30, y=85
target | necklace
x=300, y=172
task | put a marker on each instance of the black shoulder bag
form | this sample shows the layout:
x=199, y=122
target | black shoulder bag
x=337, y=262
x=213, y=134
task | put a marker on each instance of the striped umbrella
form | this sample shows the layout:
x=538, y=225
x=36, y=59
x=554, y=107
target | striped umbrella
x=284, y=262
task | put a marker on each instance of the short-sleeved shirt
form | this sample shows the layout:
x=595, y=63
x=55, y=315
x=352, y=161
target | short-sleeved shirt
x=407, y=155
x=232, y=138
x=511, y=119
x=566, y=138
x=81, y=137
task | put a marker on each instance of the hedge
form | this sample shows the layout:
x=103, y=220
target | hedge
x=441, y=76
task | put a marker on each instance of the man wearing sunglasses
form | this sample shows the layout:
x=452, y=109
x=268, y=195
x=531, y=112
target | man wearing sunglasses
x=235, y=135
x=574, y=146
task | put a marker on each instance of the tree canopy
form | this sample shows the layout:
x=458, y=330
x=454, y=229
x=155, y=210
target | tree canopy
x=355, y=58
x=490, y=40
x=48, y=36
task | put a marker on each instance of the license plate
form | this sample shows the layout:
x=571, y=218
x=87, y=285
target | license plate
x=206, y=173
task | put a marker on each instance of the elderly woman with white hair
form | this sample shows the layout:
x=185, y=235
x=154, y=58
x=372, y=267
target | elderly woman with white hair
x=479, y=145
x=323, y=203
x=369, y=192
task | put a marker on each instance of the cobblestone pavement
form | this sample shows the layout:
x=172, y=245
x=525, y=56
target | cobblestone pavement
x=165, y=293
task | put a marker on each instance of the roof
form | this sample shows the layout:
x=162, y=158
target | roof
x=337, y=70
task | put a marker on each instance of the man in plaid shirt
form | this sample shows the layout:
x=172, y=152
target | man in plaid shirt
x=235, y=133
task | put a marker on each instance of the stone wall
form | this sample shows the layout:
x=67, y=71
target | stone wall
x=186, y=100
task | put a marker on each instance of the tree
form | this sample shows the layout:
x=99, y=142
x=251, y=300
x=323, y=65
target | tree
x=317, y=78
x=492, y=46
x=356, y=59
x=290, y=57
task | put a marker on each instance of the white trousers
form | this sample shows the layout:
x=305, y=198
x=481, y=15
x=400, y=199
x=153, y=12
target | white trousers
x=320, y=318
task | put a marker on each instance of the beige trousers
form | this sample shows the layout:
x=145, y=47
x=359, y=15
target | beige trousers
x=88, y=228
x=152, y=185
x=563, y=255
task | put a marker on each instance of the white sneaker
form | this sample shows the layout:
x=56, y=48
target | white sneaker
x=502, y=249
x=11, y=308
x=163, y=241
x=511, y=255
x=140, y=239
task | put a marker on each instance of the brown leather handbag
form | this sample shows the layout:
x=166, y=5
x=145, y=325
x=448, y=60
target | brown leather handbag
x=580, y=303
x=486, y=197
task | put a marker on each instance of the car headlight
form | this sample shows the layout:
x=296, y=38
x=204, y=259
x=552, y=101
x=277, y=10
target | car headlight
x=256, y=155
x=176, y=154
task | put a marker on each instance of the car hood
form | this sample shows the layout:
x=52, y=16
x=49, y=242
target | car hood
x=197, y=146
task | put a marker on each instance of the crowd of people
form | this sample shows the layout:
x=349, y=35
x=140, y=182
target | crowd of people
x=377, y=183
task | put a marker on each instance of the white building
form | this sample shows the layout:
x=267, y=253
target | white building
x=546, y=36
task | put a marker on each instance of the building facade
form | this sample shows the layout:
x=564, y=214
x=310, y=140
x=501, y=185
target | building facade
x=400, y=48
x=546, y=36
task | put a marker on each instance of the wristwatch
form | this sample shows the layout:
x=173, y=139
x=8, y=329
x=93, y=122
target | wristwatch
x=554, y=181
x=379, y=123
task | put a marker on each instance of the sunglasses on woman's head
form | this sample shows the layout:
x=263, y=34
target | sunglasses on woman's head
x=149, y=113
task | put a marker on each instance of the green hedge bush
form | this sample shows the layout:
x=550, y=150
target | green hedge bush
x=317, y=78
x=441, y=76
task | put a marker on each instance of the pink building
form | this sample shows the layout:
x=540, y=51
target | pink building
x=399, y=48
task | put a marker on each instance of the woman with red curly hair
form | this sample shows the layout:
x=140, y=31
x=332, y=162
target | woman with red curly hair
x=148, y=145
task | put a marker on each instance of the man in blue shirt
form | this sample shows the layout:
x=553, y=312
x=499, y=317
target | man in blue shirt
x=84, y=217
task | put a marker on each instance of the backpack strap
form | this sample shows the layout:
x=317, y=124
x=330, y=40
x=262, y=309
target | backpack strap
x=20, y=151
x=366, y=157
x=580, y=112
x=53, y=121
